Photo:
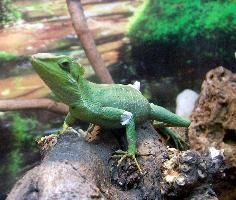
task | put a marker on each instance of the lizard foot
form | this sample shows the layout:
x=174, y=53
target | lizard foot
x=178, y=141
x=47, y=142
x=92, y=132
x=125, y=155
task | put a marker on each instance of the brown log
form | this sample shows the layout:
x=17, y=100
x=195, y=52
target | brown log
x=46, y=104
x=87, y=41
x=74, y=169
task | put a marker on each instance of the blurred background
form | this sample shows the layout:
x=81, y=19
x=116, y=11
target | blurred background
x=167, y=45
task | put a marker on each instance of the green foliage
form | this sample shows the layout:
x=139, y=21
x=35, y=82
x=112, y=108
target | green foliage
x=182, y=20
x=8, y=56
x=8, y=13
x=15, y=162
x=17, y=146
x=21, y=139
x=183, y=34
x=20, y=128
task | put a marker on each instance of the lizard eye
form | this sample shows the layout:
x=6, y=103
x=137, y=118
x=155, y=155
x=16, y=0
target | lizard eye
x=65, y=65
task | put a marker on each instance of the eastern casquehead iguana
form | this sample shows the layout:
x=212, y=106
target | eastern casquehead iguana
x=107, y=105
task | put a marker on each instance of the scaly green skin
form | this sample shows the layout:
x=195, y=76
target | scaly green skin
x=111, y=106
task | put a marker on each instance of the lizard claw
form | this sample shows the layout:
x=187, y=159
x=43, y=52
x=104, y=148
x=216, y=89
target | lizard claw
x=179, y=142
x=47, y=142
x=125, y=155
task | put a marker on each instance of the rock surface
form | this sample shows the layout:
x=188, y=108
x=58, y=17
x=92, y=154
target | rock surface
x=190, y=171
x=214, y=118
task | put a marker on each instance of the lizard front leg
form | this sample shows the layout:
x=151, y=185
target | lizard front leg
x=49, y=141
x=69, y=120
x=128, y=120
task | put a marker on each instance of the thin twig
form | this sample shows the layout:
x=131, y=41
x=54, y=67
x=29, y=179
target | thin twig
x=87, y=40
x=21, y=104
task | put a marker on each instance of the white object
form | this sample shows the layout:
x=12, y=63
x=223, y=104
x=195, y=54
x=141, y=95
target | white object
x=215, y=152
x=185, y=102
x=135, y=85
x=126, y=117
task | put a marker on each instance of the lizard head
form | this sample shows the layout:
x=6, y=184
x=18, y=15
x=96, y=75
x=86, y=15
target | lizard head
x=60, y=73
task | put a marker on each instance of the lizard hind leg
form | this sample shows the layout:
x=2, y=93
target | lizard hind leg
x=92, y=132
x=166, y=118
x=178, y=141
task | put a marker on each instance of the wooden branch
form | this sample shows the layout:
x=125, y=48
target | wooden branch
x=87, y=41
x=46, y=104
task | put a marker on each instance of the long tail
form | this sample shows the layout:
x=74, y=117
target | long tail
x=163, y=115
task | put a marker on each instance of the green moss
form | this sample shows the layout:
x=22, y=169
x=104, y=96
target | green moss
x=45, y=7
x=15, y=162
x=20, y=128
x=182, y=20
x=17, y=146
x=8, y=56
x=174, y=35
x=8, y=12
x=22, y=139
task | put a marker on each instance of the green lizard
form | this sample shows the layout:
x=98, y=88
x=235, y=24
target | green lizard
x=106, y=105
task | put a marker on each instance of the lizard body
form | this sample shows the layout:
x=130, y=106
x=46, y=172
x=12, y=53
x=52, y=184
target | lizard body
x=110, y=106
x=99, y=98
